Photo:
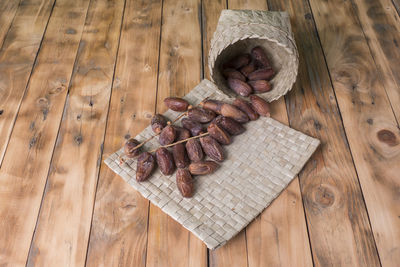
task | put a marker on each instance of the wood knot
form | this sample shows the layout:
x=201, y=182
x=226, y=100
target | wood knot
x=78, y=139
x=324, y=196
x=387, y=137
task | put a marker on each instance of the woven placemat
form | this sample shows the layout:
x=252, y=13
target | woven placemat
x=259, y=164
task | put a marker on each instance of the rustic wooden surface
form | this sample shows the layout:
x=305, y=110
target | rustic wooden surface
x=79, y=77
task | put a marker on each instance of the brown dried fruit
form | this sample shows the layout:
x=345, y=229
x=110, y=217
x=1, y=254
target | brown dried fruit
x=165, y=161
x=167, y=135
x=203, y=167
x=229, y=125
x=246, y=70
x=129, y=146
x=194, y=150
x=176, y=103
x=219, y=134
x=180, y=157
x=260, y=86
x=185, y=183
x=226, y=110
x=195, y=128
x=238, y=61
x=145, y=166
x=212, y=148
x=240, y=87
x=234, y=74
x=246, y=107
x=261, y=74
x=181, y=133
x=260, y=106
x=158, y=122
x=260, y=57
x=201, y=115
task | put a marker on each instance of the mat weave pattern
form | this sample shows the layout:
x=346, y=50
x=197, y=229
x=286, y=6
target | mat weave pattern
x=259, y=164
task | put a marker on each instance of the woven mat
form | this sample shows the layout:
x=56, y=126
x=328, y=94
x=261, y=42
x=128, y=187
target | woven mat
x=259, y=164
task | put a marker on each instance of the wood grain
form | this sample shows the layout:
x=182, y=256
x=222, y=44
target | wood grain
x=381, y=26
x=8, y=9
x=119, y=228
x=370, y=124
x=339, y=230
x=35, y=131
x=169, y=243
x=17, y=56
x=66, y=210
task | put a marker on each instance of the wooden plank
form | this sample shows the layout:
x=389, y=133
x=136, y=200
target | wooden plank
x=396, y=4
x=336, y=214
x=79, y=144
x=169, y=243
x=279, y=235
x=119, y=227
x=381, y=26
x=8, y=9
x=17, y=57
x=32, y=141
x=365, y=109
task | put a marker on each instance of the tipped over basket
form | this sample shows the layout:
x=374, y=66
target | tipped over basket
x=238, y=31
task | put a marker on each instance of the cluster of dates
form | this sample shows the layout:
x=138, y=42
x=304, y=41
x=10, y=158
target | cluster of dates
x=205, y=129
x=249, y=73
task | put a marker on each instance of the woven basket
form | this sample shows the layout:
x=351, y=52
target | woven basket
x=238, y=31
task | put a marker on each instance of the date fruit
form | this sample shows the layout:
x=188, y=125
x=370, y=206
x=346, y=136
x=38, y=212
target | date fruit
x=176, y=104
x=261, y=74
x=229, y=125
x=158, y=122
x=238, y=61
x=201, y=115
x=246, y=70
x=203, y=167
x=212, y=148
x=195, y=128
x=234, y=74
x=165, y=161
x=145, y=166
x=185, y=183
x=226, y=110
x=246, y=108
x=194, y=150
x=240, y=87
x=129, y=146
x=180, y=157
x=260, y=106
x=260, y=57
x=260, y=86
x=167, y=135
x=219, y=134
x=181, y=133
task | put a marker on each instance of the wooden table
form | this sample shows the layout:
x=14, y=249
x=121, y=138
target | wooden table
x=79, y=77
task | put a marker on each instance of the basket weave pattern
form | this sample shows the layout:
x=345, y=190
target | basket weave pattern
x=259, y=164
x=238, y=31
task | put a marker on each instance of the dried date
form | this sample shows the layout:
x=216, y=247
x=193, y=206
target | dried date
x=195, y=128
x=129, y=148
x=260, y=86
x=145, y=166
x=240, y=87
x=260, y=106
x=180, y=157
x=185, y=183
x=201, y=115
x=234, y=74
x=203, y=167
x=229, y=125
x=165, y=161
x=181, y=133
x=246, y=107
x=260, y=57
x=194, y=150
x=167, y=135
x=176, y=104
x=238, y=61
x=158, y=122
x=219, y=134
x=212, y=148
x=261, y=74
x=226, y=110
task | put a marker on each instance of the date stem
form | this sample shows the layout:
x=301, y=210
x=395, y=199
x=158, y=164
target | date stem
x=181, y=141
